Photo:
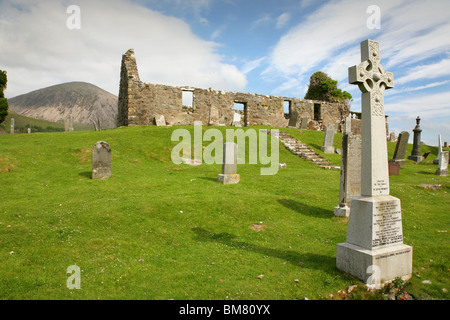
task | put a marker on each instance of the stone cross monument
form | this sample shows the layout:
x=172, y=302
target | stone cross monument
x=374, y=250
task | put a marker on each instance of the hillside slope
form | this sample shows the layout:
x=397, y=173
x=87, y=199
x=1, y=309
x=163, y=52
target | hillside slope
x=86, y=102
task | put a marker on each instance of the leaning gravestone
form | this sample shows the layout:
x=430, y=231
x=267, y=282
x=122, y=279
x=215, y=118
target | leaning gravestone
x=443, y=164
x=400, y=148
x=101, y=161
x=350, y=182
x=293, y=119
x=374, y=251
x=304, y=123
x=328, y=139
x=229, y=166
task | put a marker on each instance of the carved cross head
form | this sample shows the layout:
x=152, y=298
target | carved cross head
x=370, y=76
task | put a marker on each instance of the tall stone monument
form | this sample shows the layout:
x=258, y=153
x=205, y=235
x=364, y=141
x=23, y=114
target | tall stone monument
x=350, y=182
x=101, y=161
x=12, y=125
x=229, y=165
x=374, y=251
x=436, y=161
x=415, y=153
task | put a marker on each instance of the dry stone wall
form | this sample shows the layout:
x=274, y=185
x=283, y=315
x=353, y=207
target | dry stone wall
x=140, y=103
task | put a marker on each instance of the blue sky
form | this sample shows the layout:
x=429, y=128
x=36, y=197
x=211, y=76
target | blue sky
x=266, y=46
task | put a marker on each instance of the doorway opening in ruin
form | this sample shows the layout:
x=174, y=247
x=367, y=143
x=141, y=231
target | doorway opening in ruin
x=240, y=108
x=317, y=112
x=187, y=98
x=287, y=109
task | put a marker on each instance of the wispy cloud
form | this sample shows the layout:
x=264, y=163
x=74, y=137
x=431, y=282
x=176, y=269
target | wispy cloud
x=282, y=20
x=167, y=51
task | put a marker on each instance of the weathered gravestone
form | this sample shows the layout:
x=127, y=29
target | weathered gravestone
x=101, y=161
x=12, y=125
x=374, y=251
x=350, y=183
x=328, y=139
x=293, y=119
x=394, y=168
x=229, y=165
x=160, y=120
x=436, y=161
x=415, y=153
x=304, y=123
x=400, y=148
x=443, y=164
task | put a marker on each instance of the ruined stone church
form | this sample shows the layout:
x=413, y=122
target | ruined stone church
x=142, y=103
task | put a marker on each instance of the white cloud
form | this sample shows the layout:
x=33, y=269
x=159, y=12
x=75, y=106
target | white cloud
x=429, y=71
x=251, y=65
x=38, y=50
x=282, y=20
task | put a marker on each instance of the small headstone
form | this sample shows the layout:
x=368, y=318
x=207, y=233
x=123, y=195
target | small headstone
x=394, y=168
x=229, y=166
x=293, y=119
x=29, y=130
x=445, y=144
x=400, y=148
x=328, y=139
x=348, y=124
x=101, y=161
x=443, y=164
x=392, y=137
x=350, y=182
x=415, y=154
x=12, y=125
x=160, y=121
x=304, y=123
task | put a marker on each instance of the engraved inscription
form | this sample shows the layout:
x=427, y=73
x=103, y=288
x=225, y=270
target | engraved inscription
x=387, y=225
x=380, y=187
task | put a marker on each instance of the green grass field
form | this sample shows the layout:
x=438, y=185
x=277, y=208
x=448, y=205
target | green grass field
x=156, y=230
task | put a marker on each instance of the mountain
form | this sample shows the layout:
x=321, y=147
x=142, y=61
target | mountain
x=86, y=102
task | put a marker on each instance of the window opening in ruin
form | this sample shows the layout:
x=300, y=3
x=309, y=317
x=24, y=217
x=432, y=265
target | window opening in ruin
x=187, y=98
x=241, y=108
x=317, y=112
x=287, y=108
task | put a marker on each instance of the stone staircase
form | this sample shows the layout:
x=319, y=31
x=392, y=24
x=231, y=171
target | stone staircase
x=302, y=150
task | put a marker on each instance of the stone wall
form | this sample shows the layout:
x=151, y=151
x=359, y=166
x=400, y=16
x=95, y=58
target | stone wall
x=140, y=103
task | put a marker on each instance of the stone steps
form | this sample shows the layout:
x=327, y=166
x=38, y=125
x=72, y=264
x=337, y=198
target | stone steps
x=303, y=151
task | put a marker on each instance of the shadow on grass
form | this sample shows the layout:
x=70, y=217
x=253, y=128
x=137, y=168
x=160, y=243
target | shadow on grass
x=306, y=209
x=302, y=260
x=86, y=174
x=208, y=178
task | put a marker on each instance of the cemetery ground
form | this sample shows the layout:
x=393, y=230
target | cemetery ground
x=156, y=230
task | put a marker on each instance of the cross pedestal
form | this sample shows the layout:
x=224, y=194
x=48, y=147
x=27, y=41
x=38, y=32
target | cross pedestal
x=374, y=251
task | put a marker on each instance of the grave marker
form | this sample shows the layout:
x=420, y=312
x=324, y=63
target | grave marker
x=101, y=161
x=229, y=165
x=160, y=121
x=415, y=154
x=12, y=125
x=374, y=250
x=328, y=139
x=436, y=161
x=400, y=148
x=304, y=124
x=443, y=164
x=293, y=119
x=350, y=182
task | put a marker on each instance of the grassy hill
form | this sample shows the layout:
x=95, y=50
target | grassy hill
x=22, y=123
x=156, y=230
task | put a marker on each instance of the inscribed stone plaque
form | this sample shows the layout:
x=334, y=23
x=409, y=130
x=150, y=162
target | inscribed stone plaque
x=328, y=139
x=101, y=161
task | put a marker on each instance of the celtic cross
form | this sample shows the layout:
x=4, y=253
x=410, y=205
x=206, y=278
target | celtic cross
x=372, y=80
